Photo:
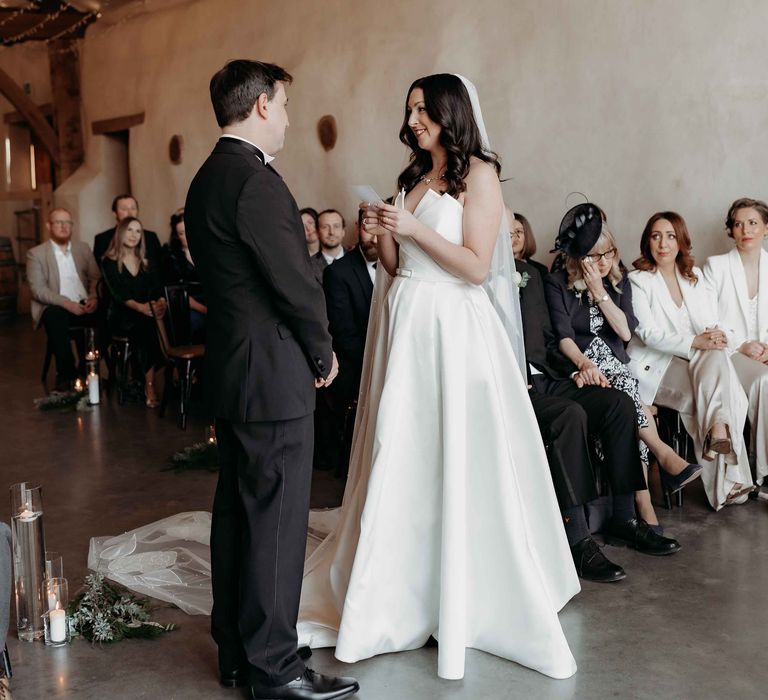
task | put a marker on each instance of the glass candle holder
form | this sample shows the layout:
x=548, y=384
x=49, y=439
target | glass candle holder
x=91, y=348
x=54, y=565
x=28, y=559
x=55, y=618
x=210, y=434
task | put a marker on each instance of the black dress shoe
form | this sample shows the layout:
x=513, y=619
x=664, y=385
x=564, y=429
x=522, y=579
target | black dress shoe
x=593, y=565
x=235, y=678
x=308, y=686
x=637, y=534
x=239, y=677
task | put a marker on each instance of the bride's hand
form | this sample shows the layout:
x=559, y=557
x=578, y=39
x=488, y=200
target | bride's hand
x=371, y=219
x=399, y=221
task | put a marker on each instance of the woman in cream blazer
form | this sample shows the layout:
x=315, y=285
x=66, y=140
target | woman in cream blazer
x=680, y=356
x=740, y=281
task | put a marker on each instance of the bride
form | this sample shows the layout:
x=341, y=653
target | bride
x=449, y=525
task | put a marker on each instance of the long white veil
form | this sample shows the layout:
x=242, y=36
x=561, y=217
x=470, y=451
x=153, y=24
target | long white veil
x=499, y=284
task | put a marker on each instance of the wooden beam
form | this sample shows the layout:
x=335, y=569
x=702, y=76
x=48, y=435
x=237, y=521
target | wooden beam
x=64, y=64
x=107, y=126
x=18, y=118
x=37, y=121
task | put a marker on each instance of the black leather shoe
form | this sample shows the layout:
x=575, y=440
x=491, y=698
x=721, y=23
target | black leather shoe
x=308, y=686
x=637, y=534
x=234, y=679
x=239, y=677
x=593, y=565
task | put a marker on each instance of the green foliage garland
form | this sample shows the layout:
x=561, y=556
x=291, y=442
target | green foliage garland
x=63, y=401
x=101, y=613
x=201, y=455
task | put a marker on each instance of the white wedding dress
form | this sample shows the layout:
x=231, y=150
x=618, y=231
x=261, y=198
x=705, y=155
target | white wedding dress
x=449, y=524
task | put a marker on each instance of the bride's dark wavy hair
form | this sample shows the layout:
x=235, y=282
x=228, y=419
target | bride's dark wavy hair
x=447, y=103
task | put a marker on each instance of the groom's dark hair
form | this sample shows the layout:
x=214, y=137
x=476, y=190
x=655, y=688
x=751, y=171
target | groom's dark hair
x=237, y=86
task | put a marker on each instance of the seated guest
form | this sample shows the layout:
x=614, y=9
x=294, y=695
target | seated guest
x=309, y=219
x=348, y=286
x=568, y=411
x=740, y=282
x=134, y=283
x=179, y=268
x=124, y=205
x=62, y=275
x=680, y=356
x=591, y=307
x=523, y=242
x=330, y=229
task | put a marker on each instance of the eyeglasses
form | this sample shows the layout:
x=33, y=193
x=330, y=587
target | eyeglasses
x=595, y=257
x=63, y=224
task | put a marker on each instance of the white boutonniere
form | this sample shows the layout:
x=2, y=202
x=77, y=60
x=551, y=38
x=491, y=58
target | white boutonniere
x=579, y=287
x=520, y=280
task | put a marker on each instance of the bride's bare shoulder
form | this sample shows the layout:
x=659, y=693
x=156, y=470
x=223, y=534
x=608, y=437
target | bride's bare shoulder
x=481, y=170
x=481, y=175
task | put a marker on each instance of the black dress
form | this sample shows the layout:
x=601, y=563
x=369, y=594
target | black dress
x=140, y=329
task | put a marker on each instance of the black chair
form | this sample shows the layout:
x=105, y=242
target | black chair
x=118, y=359
x=76, y=335
x=672, y=431
x=174, y=334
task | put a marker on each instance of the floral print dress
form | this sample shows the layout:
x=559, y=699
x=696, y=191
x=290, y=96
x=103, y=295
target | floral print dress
x=615, y=371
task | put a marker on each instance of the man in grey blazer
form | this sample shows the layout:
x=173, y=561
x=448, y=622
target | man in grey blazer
x=62, y=276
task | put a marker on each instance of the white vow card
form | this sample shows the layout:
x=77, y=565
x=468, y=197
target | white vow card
x=366, y=193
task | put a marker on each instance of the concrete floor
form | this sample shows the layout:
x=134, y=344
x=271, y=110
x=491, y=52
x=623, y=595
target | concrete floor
x=692, y=625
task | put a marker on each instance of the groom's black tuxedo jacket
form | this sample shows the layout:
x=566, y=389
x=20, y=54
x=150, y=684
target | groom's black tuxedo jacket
x=541, y=349
x=348, y=291
x=267, y=332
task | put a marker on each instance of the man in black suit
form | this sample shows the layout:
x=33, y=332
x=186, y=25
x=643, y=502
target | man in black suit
x=267, y=350
x=125, y=205
x=348, y=286
x=568, y=412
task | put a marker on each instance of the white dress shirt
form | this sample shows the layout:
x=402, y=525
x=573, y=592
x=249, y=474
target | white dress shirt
x=331, y=258
x=70, y=284
x=267, y=158
x=371, y=265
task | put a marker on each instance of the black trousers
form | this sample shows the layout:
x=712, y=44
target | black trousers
x=566, y=416
x=258, y=540
x=57, y=321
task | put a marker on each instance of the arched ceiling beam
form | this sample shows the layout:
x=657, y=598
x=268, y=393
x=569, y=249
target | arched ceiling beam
x=28, y=109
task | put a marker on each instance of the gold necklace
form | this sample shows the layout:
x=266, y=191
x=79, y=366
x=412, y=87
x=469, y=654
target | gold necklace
x=426, y=180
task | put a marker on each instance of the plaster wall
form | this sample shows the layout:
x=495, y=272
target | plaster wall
x=641, y=104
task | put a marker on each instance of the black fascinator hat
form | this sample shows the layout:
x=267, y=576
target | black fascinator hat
x=579, y=230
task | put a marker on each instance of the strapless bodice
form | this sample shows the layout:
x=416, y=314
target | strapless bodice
x=443, y=214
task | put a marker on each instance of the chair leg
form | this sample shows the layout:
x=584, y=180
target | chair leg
x=46, y=366
x=121, y=371
x=167, y=384
x=186, y=387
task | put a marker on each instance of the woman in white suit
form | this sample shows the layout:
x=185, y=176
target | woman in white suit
x=680, y=356
x=740, y=280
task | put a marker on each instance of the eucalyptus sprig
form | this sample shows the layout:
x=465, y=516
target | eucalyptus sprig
x=102, y=613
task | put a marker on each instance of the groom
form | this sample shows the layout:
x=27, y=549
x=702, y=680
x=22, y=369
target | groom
x=267, y=350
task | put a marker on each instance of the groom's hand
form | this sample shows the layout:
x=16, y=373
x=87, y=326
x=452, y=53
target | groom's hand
x=331, y=375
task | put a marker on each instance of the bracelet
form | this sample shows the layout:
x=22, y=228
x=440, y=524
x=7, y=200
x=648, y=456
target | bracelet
x=603, y=298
